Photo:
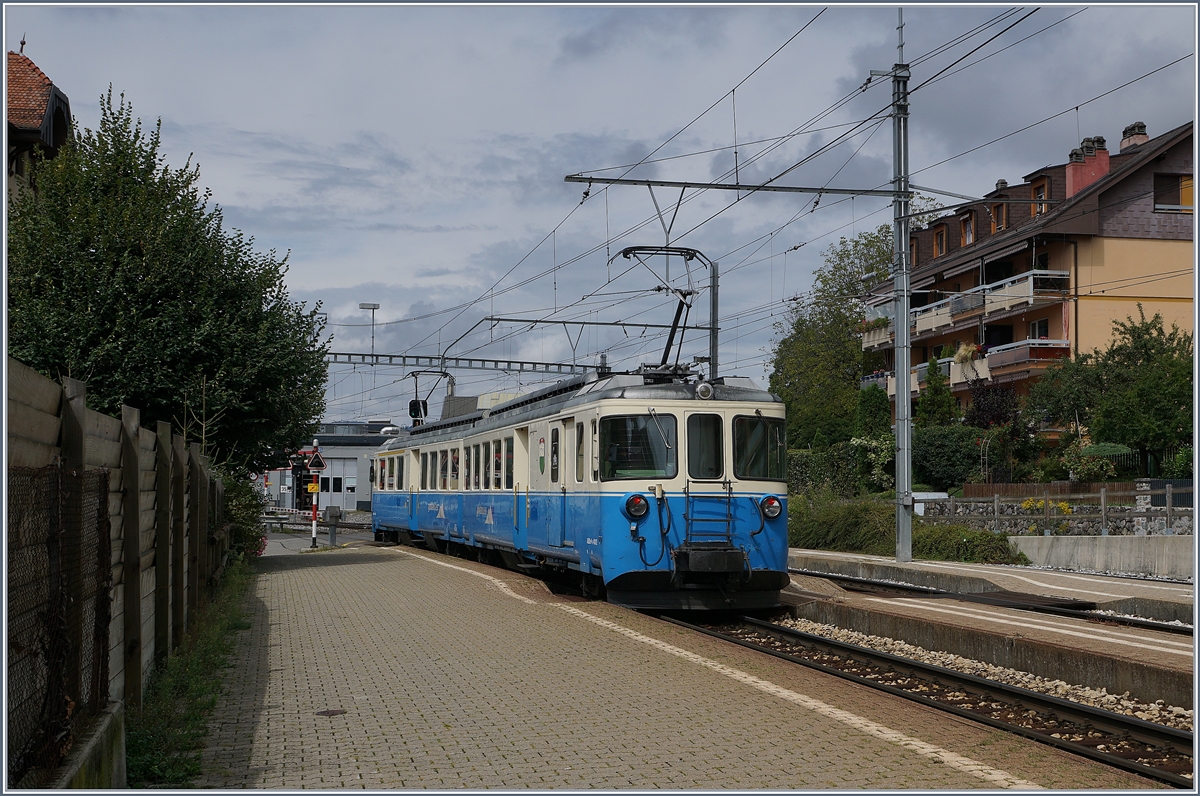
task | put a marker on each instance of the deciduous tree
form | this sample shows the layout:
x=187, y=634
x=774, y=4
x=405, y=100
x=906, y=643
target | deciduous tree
x=122, y=275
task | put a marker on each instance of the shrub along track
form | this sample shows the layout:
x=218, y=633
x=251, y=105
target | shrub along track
x=1151, y=750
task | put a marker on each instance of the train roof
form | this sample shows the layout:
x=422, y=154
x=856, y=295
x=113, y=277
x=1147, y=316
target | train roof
x=651, y=384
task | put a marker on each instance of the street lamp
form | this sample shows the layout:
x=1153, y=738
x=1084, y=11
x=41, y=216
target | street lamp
x=366, y=305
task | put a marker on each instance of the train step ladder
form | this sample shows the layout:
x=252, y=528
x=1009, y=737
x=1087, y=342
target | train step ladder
x=714, y=531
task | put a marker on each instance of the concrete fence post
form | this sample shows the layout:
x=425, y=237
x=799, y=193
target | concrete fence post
x=73, y=445
x=162, y=541
x=131, y=554
x=996, y=512
x=179, y=615
x=1046, y=506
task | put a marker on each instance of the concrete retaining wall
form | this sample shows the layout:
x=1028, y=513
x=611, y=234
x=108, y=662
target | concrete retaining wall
x=1160, y=556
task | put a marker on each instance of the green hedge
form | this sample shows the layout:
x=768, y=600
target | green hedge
x=835, y=466
x=946, y=456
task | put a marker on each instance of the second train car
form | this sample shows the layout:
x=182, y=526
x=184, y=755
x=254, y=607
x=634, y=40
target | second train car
x=661, y=490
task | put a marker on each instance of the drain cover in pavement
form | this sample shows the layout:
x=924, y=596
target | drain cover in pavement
x=331, y=712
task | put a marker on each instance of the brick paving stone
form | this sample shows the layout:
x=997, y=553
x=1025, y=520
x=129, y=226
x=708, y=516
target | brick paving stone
x=449, y=680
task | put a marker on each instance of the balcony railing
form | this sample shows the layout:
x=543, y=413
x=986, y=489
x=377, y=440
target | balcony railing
x=956, y=372
x=995, y=297
x=1042, y=351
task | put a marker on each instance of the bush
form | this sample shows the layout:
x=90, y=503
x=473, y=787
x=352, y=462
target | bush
x=959, y=543
x=1179, y=465
x=822, y=521
x=836, y=466
x=946, y=456
x=1087, y=468
x=244, y=504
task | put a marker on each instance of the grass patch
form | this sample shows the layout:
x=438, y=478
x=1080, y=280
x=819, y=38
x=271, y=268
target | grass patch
x=164, y=737
x=822, y=521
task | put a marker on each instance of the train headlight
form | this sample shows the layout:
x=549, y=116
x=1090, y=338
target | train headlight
x=636, y=506
x=771, y=507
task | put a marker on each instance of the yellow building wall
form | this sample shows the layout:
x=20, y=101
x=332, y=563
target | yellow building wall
x=1116, y=274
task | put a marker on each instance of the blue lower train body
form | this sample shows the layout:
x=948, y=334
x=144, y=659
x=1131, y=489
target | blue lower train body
x=706, y=551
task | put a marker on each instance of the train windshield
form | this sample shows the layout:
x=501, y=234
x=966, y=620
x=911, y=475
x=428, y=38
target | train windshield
x=638, y=446
x=759, y=448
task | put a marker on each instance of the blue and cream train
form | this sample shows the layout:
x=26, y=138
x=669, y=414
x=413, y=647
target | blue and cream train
x=660, y=490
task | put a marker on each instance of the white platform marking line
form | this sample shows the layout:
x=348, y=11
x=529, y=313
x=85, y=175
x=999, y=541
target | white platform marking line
x=499, y=584
x=1061, y=575
x=1158, y=645
x=993, y=776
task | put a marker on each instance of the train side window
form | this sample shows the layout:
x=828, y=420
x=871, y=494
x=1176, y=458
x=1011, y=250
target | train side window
x=391, y=482
x=485, y=465
x=497, y=465
x=454, y=469
x=706, y=451
x=595, y=455
x=424, y=471
x=508, y=463
x=444, y=470
x=379, y=464
x=554, y=455
x=759, y=448
x=579, y=453
x=467, y=465
x=399, y=473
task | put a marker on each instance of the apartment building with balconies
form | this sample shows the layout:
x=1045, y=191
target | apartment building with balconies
x=1039, y=270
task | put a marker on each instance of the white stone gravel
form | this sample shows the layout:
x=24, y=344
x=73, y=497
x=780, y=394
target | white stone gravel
x=1159, y=712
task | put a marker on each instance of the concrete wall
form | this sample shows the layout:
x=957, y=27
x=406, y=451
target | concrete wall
x=1160, y=556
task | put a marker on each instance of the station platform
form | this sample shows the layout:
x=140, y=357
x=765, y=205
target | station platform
x=374, y=667
x=1148, y=664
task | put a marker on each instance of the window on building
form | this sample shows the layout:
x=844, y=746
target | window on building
x=351, y=484
x=337, y=484
x=999, y=217
x=966, y=227
x=939, y=241
x=1173, y=193
x=1039, y=330
x=324, y=483
x=1039, y=190
x=912, y=253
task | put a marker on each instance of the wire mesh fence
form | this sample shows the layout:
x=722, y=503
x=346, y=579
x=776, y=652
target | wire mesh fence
x=59, y=587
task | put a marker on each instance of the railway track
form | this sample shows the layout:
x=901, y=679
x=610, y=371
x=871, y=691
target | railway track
x=1152, y=750
x=1026, y=602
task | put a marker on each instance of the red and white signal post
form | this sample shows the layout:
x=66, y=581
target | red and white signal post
x=315, y=465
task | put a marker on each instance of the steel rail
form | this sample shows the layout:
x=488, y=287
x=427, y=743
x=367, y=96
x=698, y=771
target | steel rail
x=1179, y=741
x=1089, y=614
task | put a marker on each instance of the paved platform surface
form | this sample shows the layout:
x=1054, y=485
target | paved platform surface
x=456, y=675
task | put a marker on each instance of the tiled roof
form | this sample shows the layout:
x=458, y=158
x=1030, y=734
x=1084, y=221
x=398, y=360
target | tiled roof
x=28, y=92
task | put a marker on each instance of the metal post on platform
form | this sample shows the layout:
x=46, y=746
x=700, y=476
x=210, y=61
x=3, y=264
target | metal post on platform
x=316, y=499
x=1169, y=501
x=1046, y=506
x=1103, y=511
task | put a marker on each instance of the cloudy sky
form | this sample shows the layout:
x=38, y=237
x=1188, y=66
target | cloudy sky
x=414, y=156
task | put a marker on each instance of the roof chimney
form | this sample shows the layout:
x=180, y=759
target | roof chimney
x=1001, y=185
x=1134, y=135
x=1088, y=163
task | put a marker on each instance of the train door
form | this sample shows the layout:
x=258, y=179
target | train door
x=520, y=471
x=559, y=467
